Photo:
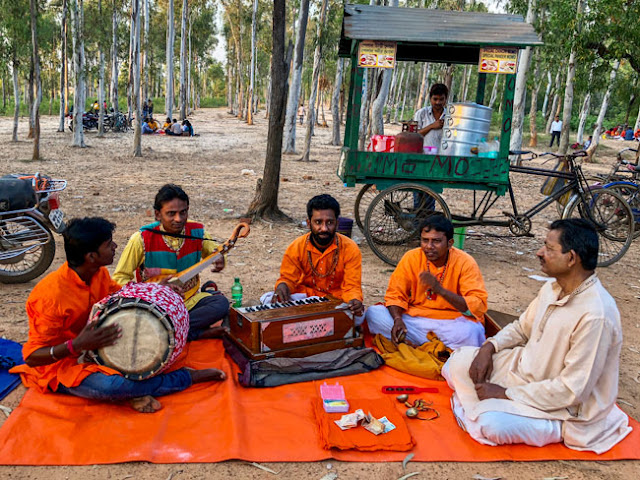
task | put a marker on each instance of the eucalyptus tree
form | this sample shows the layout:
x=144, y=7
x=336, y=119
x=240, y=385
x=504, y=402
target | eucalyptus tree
x=296, y=79
x=113, y=86
x=317, y=58
x=252, y=71
x=335, y=103
x=265, y=201
x=603, y=110
x=171, y=36
x=183, y=59
x=35, y=58
x=77, y=15
x=136, y=100
x=64, y=66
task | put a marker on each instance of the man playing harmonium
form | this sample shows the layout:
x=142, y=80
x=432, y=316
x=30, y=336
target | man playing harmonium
x=435, y=287
x=551, y=375
x=172, y=244
x=321, y=262
x=58, y=309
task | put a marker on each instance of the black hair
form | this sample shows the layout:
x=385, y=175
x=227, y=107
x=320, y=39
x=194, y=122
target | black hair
x=167, y=193
x=85, y=235
x=168, y=119
x=439, y=89
x=323, y=202
x=439, y=223
x=174, y=120
x=580, y=236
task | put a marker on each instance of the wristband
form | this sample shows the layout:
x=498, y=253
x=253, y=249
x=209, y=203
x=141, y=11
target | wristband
x=72, y=350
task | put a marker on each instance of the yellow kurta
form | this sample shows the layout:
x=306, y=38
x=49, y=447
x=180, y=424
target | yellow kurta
x=560, y=361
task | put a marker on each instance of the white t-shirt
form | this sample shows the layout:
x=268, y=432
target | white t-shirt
x=556, y=126
x=425, y=117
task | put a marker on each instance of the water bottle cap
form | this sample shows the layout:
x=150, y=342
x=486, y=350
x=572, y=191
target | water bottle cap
x=237, y=279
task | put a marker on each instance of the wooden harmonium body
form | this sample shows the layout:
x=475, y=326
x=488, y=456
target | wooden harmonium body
x=293, y=329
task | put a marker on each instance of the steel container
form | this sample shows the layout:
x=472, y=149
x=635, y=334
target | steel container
x=464, y=125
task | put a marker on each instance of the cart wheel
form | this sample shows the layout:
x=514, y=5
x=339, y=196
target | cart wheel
x=394, y=216
x=631, y=193
x=366, y=194
x=613, y=219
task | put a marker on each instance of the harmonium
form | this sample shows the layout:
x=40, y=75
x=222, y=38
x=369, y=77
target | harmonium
x=293, y=329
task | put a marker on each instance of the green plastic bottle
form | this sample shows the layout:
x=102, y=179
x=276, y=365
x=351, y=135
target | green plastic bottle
x=236, y=293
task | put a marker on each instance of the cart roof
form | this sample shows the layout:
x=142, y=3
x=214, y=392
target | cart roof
x=454, y=37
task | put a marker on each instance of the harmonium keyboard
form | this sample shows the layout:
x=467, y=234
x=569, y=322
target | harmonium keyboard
x=293, y=329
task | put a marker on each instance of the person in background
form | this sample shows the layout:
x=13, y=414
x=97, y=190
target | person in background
x=187, y=129
x=153, y=125
x=556, y=129
x=167, y=123
x=587, y=144
x=431, y=119
x=301, y=113
x=628, y=133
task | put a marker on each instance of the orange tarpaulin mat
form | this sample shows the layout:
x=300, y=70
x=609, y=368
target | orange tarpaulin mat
x=221, y=421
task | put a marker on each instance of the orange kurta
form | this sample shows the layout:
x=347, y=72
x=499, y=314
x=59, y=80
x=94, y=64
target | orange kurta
x=462, y=277
x=345, y=283
x=58, y=309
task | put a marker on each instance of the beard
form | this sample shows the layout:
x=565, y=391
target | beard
x=322, y=241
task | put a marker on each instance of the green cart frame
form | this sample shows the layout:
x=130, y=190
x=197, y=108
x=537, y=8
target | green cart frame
x=423, y=35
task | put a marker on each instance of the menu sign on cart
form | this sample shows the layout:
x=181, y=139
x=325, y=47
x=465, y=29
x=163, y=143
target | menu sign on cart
x=374, y=54
x=498, y=60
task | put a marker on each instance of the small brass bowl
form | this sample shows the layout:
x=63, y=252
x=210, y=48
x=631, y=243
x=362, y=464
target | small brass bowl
x=412, y=412
x=402, y=398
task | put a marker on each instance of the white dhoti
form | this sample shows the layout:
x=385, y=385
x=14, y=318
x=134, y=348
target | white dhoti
x=454, y=333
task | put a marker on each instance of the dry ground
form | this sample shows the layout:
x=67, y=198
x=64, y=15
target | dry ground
x=106, y=180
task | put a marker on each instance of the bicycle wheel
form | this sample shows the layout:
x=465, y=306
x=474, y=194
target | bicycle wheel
x=366, y=194
x=612, y=218
x=631, y=193
x=392, y=220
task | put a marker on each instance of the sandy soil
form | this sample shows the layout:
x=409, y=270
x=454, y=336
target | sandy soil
x=106, y=180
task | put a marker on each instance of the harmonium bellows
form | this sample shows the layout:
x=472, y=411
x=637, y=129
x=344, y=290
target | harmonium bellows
x=293, y=329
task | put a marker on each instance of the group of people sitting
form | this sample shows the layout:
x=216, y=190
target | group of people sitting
x=623, y=132
x=170, y=127
x=550, y=376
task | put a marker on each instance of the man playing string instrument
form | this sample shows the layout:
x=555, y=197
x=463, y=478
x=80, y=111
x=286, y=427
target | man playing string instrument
x=58, y=309
x=321, y=262
x=172, y=244
x=436, y=288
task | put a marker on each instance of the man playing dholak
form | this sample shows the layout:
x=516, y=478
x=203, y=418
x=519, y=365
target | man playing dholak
x=170, y=245
x=551, y=375
x=58, y=309
x=322, y=262
x=435, y=288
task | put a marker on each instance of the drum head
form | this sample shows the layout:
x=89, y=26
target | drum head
x=145, y=345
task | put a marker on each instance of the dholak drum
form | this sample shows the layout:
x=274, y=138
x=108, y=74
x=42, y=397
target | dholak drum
x=154, y=323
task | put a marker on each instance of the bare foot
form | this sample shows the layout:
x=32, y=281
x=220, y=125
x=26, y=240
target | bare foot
x=146, y=404
x=206, y=375
x=213, y=332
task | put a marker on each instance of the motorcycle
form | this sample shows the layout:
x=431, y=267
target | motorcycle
x=29, y=213
x=89, y=121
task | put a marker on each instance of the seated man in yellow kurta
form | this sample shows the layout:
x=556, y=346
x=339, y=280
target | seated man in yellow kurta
x=322, y=262
x=436, y=288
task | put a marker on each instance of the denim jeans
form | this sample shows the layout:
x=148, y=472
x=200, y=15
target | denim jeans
x=99, y=386
x=205, y=313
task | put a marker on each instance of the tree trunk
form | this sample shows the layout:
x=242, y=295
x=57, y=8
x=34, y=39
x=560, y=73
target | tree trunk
x=547, y=91
x=632, y=100
x=265, y=202
x=130, y=79
x=30, y=99
x=296, y=80
x=101, y=79
x=137, y=100
x=171, y=35
x=145, y=57
x=63, y=65
x=35, y=58
x=494, y=91
x=399, y=90
x=311, y=120
x=252, y=71
x=392, y=94
x=567, y=108
x=183, y=60
x=229, y=92
x=404, y=95
x=77, y=13
x=377, y=110
x=517, y=122
x=533, y=109
x=335, y=103
x=16, y=97
x=637, y=125
x=448, y=78
x=424, y=87
x=603, y=111
x=113, y=94
x=586, y=105
x=189, y=86
x=554, y=104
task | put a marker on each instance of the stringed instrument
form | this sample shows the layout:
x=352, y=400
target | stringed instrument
x=181, y=278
